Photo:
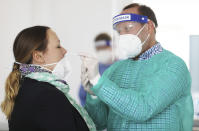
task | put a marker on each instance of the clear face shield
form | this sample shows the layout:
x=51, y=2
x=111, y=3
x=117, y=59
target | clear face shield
x=126, y=24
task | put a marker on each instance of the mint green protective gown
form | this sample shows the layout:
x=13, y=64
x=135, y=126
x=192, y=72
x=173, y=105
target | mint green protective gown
x=143, y=95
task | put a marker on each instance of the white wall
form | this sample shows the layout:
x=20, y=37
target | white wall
x=14, y=17
x=76, y=23
x=194, y=62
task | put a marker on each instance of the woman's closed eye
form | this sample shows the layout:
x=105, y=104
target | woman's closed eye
x=59, y=46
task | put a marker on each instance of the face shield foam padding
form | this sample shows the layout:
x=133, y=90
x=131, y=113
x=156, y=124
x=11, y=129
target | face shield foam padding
x=129, y=17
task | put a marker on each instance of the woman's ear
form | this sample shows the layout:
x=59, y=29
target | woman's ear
x=38, y=57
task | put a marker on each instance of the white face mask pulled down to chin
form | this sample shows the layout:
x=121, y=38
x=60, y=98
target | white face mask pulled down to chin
x=130, y=45
x=62, y=69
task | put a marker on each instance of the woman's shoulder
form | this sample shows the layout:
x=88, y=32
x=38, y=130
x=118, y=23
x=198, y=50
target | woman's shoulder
x=34, y=89
x=33, y=84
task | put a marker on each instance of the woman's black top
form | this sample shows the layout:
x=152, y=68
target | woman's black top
x=40, y=106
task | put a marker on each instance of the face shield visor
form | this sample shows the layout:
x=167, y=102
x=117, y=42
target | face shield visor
x=126, y=24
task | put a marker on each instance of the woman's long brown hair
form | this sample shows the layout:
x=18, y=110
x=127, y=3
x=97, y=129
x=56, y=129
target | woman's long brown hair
x=27, y=41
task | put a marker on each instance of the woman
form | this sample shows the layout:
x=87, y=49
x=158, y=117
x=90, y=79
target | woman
x=37, y=97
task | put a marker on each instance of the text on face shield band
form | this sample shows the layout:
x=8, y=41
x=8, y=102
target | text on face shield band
x=129, y=17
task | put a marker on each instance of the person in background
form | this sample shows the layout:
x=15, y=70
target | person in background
x=103, y=51
x=149, y=89
x=37, y=96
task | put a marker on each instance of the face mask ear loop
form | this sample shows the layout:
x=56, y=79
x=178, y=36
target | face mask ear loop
x=139, y=33
x=49, y=64
x=44, y=66
x=146, y=39
x=140, y=30
x=18, y=63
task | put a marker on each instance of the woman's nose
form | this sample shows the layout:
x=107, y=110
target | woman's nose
x=64, y=51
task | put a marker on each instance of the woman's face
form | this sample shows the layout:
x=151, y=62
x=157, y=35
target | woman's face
x=54, y=52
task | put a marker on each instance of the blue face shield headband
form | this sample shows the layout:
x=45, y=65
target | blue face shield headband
x=129, y=17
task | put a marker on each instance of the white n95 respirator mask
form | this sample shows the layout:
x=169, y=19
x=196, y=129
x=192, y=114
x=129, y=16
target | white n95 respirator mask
x=130, y=45
x=62, y=69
